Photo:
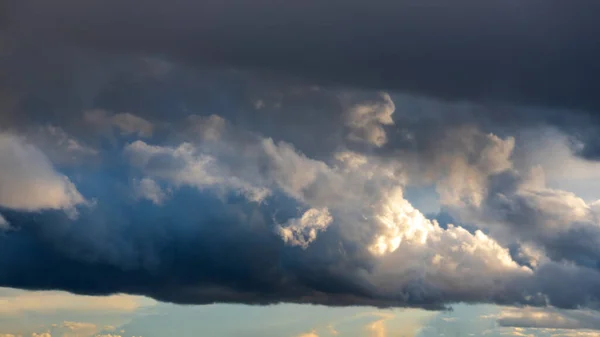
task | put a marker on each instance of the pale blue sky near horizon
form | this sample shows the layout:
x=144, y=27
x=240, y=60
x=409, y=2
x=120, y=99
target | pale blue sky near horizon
x=154, y=319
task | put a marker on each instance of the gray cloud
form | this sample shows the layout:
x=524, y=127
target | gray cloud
x=281, y=178
x=539, y=52
x=29, y=181
x=250, y=220
x=3, y=223
x=502, y=54
x=520, y=208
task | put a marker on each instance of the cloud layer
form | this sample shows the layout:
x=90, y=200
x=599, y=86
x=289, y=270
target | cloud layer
x=218, y=213
x=127, y=166
x=539, y=52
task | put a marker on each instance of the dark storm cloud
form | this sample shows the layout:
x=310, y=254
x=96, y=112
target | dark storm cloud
x=530, y=52
x=202, y=246
x=67, y=56
x=226, y=253
x=194, y=255
x=93, y=84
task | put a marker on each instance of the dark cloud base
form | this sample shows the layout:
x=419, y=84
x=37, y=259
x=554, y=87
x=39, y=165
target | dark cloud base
x=195, y=250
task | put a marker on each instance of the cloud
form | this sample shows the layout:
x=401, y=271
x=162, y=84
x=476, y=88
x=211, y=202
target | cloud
x=3, y=223
x=29, y=181
x=459, y=50
x=202, y=196
x=302, y=231
x=520, y=206
x=233, y=211
x=366, y=120
x=132, y=124
x=549, y=319
x=146, y=188
x=368, y=254
x=125, y=123
x=60, y=147
x=185, y=165
x=470, y=156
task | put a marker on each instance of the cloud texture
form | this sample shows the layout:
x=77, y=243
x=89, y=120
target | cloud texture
x=193, y=162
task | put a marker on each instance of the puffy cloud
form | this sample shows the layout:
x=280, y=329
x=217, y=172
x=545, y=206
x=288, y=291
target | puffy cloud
x=400, y=222
x=245, y=162
x=207, y=128
x=520, y=208
x=464, y=160
x=3, y=223
x=480, y=186
x=231, y=178
x=125, y=123
x=185, y=165
x=128, y=123
x=29, y=181
x=454, y=262
x=302, y=231
x=366, y=120
x=364, y=243
x=146, y=188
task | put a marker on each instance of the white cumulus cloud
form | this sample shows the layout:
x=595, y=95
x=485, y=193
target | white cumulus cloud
x=302, y=231
x=367, y=119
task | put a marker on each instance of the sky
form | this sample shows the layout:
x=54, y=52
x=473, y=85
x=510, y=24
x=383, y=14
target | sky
x=302, y=169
